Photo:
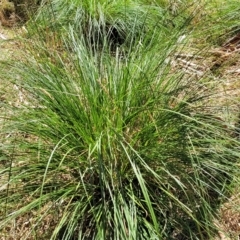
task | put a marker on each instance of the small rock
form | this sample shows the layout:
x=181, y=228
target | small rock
x=2, y=36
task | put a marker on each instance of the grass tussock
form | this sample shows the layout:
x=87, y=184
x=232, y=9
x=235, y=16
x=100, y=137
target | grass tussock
x=110, y=142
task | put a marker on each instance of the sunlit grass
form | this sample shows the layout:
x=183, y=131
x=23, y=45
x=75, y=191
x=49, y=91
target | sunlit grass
x=112, y=143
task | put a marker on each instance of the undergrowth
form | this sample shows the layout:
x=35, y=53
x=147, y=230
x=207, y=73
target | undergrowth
x=110, y=142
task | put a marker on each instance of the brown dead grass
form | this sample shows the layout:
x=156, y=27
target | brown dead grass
x=229, y=218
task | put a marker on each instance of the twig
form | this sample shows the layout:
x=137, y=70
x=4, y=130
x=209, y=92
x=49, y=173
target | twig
x=181, y=55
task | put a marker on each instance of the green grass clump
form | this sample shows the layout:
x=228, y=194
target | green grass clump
x=219, y=21
x=117, y=23
x=112, y=145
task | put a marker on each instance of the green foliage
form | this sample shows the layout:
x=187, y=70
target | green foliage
x=112, y=144
x=116, y=23
x=221, y=21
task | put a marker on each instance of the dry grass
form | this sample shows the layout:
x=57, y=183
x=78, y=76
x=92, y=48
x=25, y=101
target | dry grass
x=229, y=218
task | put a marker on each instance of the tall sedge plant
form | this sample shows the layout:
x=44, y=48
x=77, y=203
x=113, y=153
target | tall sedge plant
x=221, y=21
x=112, y=145
x=120, y=23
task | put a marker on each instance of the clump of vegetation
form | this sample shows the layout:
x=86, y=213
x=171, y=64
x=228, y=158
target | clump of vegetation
x=7, y=13
x=26, y=8
x=115, y=23
x=111, y=144
x=221, y=21
x=16, y=11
